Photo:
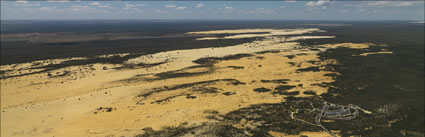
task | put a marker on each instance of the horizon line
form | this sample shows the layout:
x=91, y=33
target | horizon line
x=209, y=19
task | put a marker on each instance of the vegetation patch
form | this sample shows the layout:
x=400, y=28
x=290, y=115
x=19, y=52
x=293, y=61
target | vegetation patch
x=278, y=81
x=212, y=60
x=103, y=109
x=314, y=69
x=187, y=85
x=228, y=93
x=268, y=51
x=287, y=93
x=204, y=90
x=290, y=56
x=284, y=87
x=165, y=100
x=309, y=92
x=237, y=67
x=260, y=90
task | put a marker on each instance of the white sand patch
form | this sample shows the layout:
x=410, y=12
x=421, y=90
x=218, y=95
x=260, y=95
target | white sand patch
x=232, y=31
x=349, y=45
x=308, y=37
x=241, y=36
x=374, y=53
x=112, y=55
x=207, y=38
x=252, y=33
x=190, y=55
x=328, y=25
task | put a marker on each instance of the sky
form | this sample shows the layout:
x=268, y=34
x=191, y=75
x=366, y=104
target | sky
x=205, y=10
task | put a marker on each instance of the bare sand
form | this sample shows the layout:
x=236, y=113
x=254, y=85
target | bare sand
x=295, y=38
x=309, y=134
x=94, y=101
x=255, y=33
x=379, y=52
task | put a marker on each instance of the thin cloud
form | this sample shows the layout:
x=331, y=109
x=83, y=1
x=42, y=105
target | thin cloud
x=261, y=11
x=99, y=5
x=389, y=3
x=170, y=6
x=80, y=8
x=103, y=6
x=47, y=8
x=200, y=5
x=317, y=3
x=180, y=8
x=175, y=7
x=22, y=3
x=95, y=4
x=229, y=8
x=129, y=7
x=57, y=0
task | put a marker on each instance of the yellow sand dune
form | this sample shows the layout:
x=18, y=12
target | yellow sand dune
x=96, y=100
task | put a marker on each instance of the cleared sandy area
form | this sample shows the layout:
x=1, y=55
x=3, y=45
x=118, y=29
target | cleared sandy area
x=98, y=100
x=236, y=31
x=295, y=38
x=379, y=52
x=328, y=25
x=258, y=33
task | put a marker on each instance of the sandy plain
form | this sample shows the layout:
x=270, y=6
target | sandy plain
x=113, y=100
